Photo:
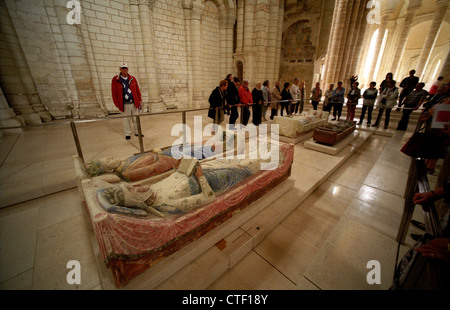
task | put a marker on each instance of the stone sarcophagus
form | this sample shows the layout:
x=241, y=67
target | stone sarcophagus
x=332, y=133
x=139, y=224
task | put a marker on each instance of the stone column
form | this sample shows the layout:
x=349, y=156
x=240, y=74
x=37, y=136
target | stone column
x=337, y=40
x=187, y=24
x=354, y=50
x=445, y=69
x=231, y=20
x=387, y=55
x=261, y=28
x=16, y=80
x=381, y=31
x=248, y=46
x=193, y=11
x=145, y=8
x=88, y=106
x=139, y=48
x=272, y=73
x=398, y=53
x=222, y=45
x=240, y=27
x=8, y=118
x=279, y=37
x=88, y=37
x=433, y=33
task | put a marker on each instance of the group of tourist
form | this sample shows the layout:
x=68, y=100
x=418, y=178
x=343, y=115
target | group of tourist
x=230, y=95
x=410, y=98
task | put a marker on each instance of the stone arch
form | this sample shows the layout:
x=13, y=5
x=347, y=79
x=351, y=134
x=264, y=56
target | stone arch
x=239, y=70
x=297, y=42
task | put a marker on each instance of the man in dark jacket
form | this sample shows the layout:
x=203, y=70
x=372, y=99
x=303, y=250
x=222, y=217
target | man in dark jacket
x=412, y=102
x=233, y=99
x=126, y=97
x=217, y=102
x=408, y=84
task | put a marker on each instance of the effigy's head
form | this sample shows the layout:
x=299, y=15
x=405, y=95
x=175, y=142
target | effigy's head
x=102, y=166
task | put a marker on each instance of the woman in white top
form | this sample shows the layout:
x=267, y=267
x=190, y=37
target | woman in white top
x=388, y=100
x=328, y=101
x=369, y=95
x=316, y=94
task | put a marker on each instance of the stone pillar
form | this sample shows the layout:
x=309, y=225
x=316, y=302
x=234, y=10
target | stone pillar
x=248, y=44
x=445, y=69
x=193, y=11
x=337, y=40
x=279, y=37
x=261, y=28
x=8, y=118
x=88, y=37
x=352, y=53
x=433, y=33
x=88, y=106
x=387, y=55
x=187, y=24
x=398, y=53
x=231, y=20
x=381, y=31
x=272, y=73
x=15, y=79
x=222, y=45
x=140, y=55
x=145, y=8
x=240, y=27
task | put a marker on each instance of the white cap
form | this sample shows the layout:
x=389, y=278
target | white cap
x=123, y=65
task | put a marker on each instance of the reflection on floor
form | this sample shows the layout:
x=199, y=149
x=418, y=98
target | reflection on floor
x=325, y=243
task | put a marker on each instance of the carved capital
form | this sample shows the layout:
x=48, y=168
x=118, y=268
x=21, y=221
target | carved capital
x=197, y=10
x=227, y=21
x=149, y=3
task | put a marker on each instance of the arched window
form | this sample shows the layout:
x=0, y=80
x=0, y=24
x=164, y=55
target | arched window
x=370, y=58
x=380, y=56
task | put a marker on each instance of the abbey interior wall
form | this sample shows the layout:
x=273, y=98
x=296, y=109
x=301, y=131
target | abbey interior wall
x=180, y=50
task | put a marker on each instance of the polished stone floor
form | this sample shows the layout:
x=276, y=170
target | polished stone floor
x=325, y=243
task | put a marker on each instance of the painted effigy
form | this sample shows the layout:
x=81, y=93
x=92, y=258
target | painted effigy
x=306, y=122
x=139, y=224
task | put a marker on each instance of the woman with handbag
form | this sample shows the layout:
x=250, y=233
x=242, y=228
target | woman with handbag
x=316, y=94
x=338, y=101
x=352, y=100
x=328, y=101
x=286, y=99
x=388, y=100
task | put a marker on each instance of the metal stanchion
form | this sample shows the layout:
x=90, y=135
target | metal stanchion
x=216, y=117
x=183, y=121
x=77, y=141
x=141, y=143
x=241, y=117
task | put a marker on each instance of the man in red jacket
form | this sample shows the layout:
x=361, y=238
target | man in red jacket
x=245, y=97
x=127, y=97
